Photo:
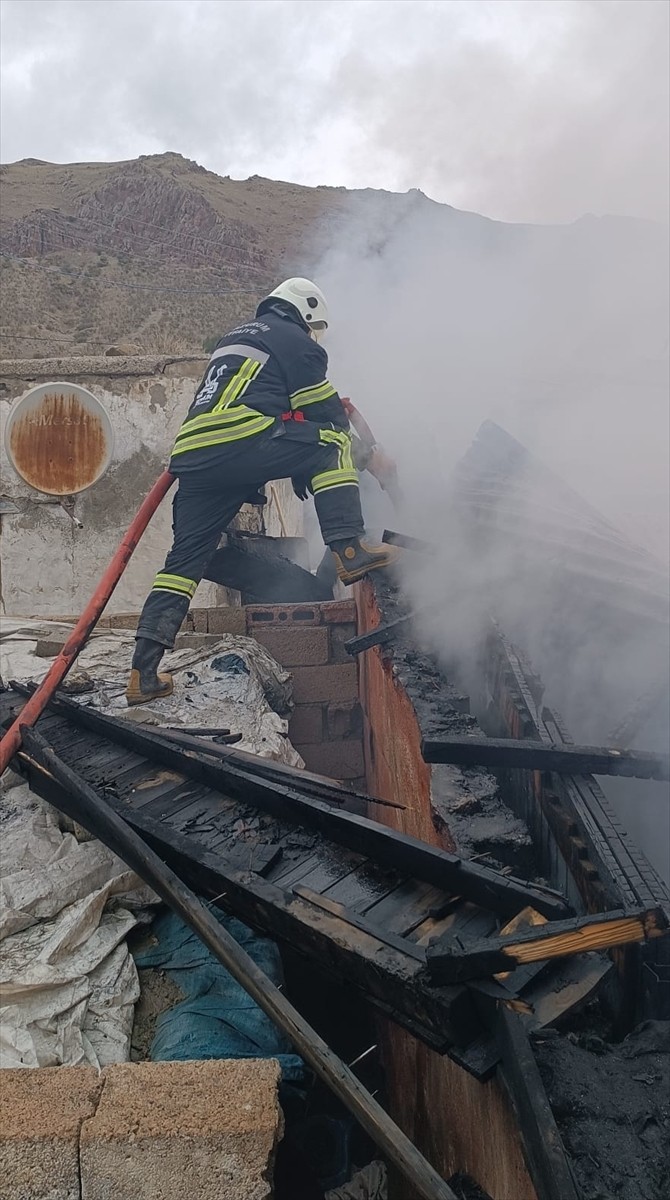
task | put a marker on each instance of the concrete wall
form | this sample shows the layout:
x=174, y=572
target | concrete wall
x=47, y=566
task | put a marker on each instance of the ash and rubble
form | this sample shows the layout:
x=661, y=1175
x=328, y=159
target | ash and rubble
x=610, y=1098
x=466, y=800
x=611, y=1102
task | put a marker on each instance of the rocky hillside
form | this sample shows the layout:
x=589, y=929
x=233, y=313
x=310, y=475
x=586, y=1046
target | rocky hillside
x=162, y=255
x=156, y=252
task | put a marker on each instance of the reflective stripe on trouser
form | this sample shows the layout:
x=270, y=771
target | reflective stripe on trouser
x=199, y=517
x=179, y=584
x=208, y=499
x=335, y=489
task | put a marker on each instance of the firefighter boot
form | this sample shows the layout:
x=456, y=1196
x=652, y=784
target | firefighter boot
x=354, y=558
x=145, y=683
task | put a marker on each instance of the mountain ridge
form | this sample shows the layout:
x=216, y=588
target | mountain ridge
x=161, y=252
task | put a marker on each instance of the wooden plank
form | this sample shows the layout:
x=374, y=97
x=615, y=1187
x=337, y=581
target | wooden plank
x=571, y=984
x=453, y=960
x=166, y=805
x=326, y=871
x=561, y=758
x=359, y=922
x=410, y=903
x=382, y=974
x=105, y=823
x=543, y=1149
x=361, y=887
x=409, y=855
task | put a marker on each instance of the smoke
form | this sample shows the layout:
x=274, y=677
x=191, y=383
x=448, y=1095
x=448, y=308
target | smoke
x=443, y=320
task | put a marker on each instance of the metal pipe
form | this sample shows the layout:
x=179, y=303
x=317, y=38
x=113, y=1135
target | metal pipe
x=80, y=634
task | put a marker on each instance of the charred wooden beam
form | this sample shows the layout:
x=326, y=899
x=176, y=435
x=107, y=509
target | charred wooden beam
x=543, y=1149
x=407, y=543
x=386, y=976
x=190, y=741
x=380, y=636
x=562, y=758
x=318, y=786
x=503, y=894
x=452, y=961
x=104, y=823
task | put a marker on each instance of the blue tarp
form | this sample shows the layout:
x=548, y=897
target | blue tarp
x=217, y=1019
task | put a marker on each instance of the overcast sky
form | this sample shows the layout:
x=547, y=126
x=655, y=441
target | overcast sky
x=539, y=110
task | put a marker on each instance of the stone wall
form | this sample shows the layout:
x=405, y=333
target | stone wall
x=48, y=566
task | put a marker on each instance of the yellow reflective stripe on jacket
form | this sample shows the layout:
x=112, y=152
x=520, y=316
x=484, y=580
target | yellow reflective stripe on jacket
x=237, y=385
x=312, y=395
x=200, y=441
x=175, y=583
x=234, y=416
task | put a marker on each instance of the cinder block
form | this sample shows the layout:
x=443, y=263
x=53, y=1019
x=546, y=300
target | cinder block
x=339, y=634
x=338, y=612
x=337, y=683
x=177, y=1130
x=41, y=1114
x=339, y=760
x=344, y=720
x=187, y=624
x=282, y=614
x=48, y=648
x=306, y=723
x=293, y=646
x=124, y=620
x=199, y=618
x=195, y=641
x=226, y=620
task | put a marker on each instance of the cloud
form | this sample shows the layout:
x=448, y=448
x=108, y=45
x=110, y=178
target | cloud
x=524, y=111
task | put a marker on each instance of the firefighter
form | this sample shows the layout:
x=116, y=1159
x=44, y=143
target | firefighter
x=264, y=410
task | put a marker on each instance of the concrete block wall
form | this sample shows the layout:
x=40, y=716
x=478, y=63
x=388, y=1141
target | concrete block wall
x=308, y=639
x=159, y=1131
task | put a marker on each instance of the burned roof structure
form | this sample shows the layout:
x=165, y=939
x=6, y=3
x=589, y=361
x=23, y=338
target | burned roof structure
x=490, y=907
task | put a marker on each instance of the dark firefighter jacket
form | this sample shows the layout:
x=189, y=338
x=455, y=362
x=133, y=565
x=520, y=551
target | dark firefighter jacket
x=259, y=371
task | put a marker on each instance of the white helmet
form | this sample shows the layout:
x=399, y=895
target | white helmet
x=308, y=299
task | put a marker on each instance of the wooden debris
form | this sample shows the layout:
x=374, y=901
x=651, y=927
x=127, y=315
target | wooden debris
x=503, y=894
x=564, y=759
x=545, y=1156
x=101, y=820
x=451, y=962
x=408, y=543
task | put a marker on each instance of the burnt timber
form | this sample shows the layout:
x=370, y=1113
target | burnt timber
x=450, y=961
x=358, y=898
x=100, y=819
x=495, y=753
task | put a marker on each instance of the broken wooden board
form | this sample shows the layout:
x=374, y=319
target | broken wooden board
x=451, y=961
x=531, y=755
x=543, y=1148
x=481, y=885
